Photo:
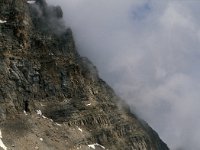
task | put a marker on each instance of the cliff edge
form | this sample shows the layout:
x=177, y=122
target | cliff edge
x=52, y=98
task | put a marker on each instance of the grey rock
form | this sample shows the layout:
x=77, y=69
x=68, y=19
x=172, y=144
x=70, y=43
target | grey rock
x=40, y=69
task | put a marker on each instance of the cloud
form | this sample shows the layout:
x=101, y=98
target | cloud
x=148, y=51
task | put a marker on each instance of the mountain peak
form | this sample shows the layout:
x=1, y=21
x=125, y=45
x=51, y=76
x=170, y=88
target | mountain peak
x=51, y=97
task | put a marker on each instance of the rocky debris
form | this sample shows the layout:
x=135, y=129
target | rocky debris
x=51, y=98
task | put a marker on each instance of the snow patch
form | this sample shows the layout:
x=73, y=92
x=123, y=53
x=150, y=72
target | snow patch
x=41, y=139
x=30, y=2
x=42, y=105
x=79, y=129
x=1, y=142
x=39, y=112
x=3, y=21
x=25, y=113
x=44, y=117
x=96, y=144
x=51, y=54
x=58, y=124
x=88, y=104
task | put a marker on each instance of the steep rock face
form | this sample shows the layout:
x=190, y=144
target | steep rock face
x=51, y=98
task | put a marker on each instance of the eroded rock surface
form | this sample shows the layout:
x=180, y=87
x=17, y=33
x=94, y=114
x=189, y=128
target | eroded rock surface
x=52, y=98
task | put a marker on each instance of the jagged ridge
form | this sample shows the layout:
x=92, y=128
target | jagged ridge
x=41, y=70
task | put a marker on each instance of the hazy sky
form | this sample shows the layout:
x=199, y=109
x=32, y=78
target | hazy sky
x=149, y=52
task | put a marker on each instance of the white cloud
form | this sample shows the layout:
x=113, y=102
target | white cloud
x=177, y=15
x=149, y=51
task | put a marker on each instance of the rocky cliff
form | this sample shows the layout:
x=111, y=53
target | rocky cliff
x=50, y=97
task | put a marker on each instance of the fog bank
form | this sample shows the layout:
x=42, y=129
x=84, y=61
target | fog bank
x=148, y=51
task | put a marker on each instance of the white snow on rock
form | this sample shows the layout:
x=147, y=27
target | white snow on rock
x=25, y=113
x=1, y=142
x=30, y=2
x=39, y=112
x=58, y=124
x=79, y=129
x=78, y=147
x=88, y=104
x=3, y=21
x=44, y=117
x=51, y=54
x=96, y=144
x=42, y=105
x=41, y=139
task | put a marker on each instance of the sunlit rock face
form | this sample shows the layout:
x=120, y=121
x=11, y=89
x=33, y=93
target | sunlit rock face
x=51, y=97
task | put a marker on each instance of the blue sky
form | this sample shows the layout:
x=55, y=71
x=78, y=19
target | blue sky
x=148, y=51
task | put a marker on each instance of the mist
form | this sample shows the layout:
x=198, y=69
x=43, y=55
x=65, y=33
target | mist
x=148, y=51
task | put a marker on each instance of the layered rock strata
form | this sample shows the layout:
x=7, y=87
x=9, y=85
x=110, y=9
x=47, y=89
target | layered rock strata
x=51, y=97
